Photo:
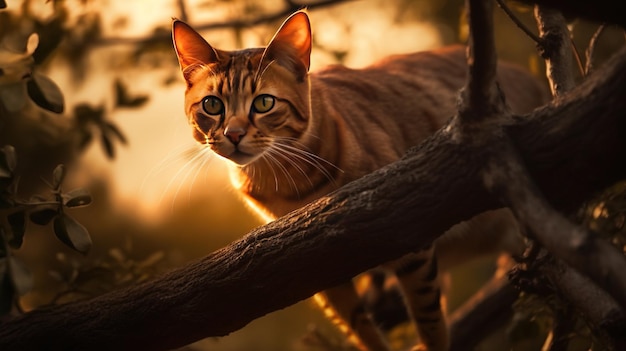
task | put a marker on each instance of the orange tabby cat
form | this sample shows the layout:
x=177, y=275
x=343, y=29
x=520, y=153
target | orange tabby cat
x=293, y=137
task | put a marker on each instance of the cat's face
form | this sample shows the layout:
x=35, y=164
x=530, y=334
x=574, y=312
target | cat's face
x=244, y=104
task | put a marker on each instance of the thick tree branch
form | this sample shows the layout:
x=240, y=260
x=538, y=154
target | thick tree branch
x=588, y=253
x=363, y=224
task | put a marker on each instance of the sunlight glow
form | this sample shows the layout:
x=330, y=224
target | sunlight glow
x=152, y=172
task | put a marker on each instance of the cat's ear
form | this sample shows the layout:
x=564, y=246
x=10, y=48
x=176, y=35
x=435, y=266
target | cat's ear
x=291, y=45
x=191, y=48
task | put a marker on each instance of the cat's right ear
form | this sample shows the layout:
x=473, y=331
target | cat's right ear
x=192, y=50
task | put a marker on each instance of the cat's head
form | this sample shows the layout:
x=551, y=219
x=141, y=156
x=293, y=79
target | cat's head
x=240, y=103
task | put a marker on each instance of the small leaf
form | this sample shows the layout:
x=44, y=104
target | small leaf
x=44, y=215
x=72, y=233
x=21, y=276
x=116, y=131
x=124, y=99
x=58, y=175
x=77, y=197
x=17, y=221
x=85, y=139
x=32, y=43
x=108, y=146
x=45, y=93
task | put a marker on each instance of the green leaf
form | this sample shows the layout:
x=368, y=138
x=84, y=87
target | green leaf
x=17, y=221
x=45, y=93
x=20, y=275
x=77, y=197
x=44, y=215
x=58, y=175
x=72, y=233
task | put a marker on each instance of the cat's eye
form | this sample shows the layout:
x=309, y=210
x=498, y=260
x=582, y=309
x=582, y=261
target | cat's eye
x=263, y=103
x=213, y=105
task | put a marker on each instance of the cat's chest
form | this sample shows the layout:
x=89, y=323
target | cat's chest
x=270, y=201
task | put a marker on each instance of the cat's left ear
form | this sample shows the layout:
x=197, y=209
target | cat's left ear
x=191, y=48
x=291, y=45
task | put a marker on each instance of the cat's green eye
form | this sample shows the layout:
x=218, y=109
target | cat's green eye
x=263, y=103
x=213, y=105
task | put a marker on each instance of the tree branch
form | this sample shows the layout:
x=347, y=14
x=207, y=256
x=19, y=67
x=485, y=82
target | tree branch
x=480, y=95
x=556, y=48
x=278, y=15
x=363, y=224
x=490, y=308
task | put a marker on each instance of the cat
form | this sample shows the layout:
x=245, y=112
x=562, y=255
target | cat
x=292, y=136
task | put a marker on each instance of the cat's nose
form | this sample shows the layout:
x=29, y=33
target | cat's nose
x=234, y=134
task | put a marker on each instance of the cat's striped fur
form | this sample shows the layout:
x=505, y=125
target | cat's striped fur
x=293, y=137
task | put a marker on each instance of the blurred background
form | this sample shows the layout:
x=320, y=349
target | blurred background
x=159, y=202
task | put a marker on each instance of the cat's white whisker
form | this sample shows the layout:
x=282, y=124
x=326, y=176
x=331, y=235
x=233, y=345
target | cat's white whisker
x=309, y=158
x=285, y=155
x=185, y=167
x=269, y=165
x=206, y=161
x=173, y=156
x=301, y=148
x=289, y=177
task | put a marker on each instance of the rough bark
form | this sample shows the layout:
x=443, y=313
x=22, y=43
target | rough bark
x=570, y=150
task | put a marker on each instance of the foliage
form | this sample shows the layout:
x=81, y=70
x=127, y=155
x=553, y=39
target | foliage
x=33, y=103
x=41, y=210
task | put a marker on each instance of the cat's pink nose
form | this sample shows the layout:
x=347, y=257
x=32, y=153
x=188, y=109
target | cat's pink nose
x=234, y=134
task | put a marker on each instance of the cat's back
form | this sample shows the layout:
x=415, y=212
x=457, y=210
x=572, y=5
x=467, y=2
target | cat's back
x=397, y=102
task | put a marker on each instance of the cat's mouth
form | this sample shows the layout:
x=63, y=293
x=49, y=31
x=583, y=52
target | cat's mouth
x=240, y=157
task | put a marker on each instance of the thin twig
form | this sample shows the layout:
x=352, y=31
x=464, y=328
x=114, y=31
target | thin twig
x=517, y=22
x=237, y=23
x=489, y=307
x=591, y=48
x=576, y=55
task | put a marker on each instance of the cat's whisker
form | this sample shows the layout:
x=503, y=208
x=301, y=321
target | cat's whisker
x=289, y=177
x=309, y=158
x=284, y=154
x=174, y=155
x=200, y=153
x=303, y=149
x=269, y=165
x=206, y=161
x=259, y=74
